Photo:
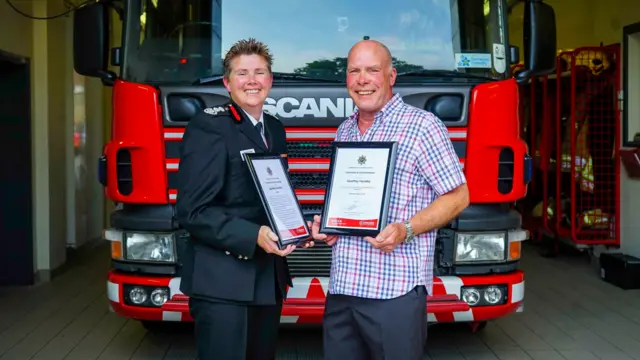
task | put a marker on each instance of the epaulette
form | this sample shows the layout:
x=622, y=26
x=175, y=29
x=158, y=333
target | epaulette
x=223, y=110
x=215, y=110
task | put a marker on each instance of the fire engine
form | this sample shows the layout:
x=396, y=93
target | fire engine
x=453, y=59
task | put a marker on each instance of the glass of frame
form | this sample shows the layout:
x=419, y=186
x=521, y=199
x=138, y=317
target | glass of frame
x=278, y=198
x=359, y=184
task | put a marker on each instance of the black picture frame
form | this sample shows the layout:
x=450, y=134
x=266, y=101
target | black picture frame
x=297, y=240
x=325, y=228
x=627, y=32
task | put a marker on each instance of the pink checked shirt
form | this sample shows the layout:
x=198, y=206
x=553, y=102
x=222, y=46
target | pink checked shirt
x=426, y=167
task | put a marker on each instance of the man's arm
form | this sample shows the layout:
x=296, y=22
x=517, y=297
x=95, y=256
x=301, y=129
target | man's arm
x=440, y=166
x=201, y=178
x=440, y=212
x=438, y=163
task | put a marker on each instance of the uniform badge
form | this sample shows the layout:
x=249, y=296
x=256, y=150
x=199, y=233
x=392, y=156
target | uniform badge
x=246, y=151
x=214, y=110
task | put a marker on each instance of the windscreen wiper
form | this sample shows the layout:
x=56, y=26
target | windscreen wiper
x=276, y=75
x=443, y=73
x=208, y=79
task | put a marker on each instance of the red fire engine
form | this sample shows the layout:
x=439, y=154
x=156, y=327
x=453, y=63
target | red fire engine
x=452, y=59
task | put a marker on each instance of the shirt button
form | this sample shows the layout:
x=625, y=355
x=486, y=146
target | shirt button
x=228, y=253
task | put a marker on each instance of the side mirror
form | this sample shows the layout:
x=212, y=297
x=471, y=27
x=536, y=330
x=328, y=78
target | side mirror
x=91, y=41
x=539, y=40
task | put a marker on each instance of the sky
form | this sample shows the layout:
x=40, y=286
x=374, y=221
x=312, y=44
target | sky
x=297, y=32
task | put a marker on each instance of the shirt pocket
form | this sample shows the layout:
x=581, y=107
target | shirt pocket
x=406, y=164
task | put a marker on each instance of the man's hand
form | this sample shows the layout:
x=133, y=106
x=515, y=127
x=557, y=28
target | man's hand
x=268, y=241
x=307, y=243
x=389, y=237
x=315, y=232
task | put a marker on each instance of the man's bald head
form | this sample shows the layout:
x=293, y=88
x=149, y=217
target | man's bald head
x=370, y=77
x=373, y=46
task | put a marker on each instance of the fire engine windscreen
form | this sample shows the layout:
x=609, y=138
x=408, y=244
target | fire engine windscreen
x=179, y=41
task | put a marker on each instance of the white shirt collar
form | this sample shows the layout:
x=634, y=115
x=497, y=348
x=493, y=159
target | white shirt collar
x=253, y=120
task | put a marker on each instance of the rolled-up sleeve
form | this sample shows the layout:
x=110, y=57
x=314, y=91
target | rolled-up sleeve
x=437, y=159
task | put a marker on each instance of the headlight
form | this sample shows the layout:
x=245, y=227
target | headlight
x=480, y=247
x=150, y=247
x=484, y=295
x=489, y=247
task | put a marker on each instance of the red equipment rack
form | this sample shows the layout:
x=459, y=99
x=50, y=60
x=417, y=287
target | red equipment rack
x=573, y=131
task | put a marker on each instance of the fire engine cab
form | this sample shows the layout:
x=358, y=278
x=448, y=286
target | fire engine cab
x=453, y=58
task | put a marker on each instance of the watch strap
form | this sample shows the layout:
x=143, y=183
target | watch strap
x=410, y=234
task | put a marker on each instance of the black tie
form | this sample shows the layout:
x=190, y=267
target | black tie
x=259, y=126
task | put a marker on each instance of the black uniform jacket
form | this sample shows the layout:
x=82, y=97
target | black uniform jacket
x=219, y=206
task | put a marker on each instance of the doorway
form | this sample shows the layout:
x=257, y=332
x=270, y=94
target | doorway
x=16, y=195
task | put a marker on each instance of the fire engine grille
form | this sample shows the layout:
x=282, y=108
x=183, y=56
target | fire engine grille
x=315, y=261
x=308, y=180
x=309, y=149
x=308, y=210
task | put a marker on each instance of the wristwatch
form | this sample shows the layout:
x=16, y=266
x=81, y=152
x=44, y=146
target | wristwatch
x=410, y=235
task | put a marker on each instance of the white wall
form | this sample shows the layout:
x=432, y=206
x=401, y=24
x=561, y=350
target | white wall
x=34, y=39
x=630, y=188
x=48, y=45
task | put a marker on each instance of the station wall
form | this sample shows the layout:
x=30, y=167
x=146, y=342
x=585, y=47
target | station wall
x=48, y=45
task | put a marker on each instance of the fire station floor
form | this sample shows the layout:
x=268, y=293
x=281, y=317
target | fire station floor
x=569, y=314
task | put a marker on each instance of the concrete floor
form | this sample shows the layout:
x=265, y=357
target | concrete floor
x=569, y=314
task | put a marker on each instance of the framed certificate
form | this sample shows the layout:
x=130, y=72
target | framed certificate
x=356, y=201
x=278, y=198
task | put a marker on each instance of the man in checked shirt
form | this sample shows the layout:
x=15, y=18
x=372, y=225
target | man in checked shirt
x=376, y=303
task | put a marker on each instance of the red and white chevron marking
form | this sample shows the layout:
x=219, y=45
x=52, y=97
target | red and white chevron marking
x=305, y=299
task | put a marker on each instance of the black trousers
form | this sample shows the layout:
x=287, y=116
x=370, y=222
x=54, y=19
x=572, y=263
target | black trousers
x=368, y=329
x=228, y=331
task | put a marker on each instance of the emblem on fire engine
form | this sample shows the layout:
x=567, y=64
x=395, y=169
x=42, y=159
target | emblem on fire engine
x=362, y=160
x=214, y=110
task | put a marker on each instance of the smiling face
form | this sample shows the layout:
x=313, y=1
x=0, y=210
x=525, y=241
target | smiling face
x=370, y=77
x=249, y=81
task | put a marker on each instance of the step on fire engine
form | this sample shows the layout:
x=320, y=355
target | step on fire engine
x=170, y=62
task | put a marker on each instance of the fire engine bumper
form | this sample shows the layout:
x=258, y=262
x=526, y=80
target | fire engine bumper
x=305, y=300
